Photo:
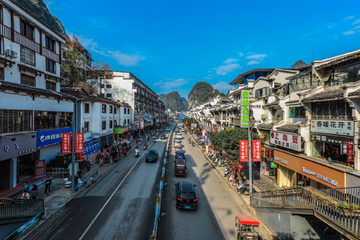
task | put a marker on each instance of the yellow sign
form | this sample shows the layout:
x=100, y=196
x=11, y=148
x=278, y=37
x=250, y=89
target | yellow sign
x=263, y=151
x=228, y=128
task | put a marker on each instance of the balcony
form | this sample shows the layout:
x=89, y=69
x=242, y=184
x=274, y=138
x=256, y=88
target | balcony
x=5, y=31
x=50, y=54
x=26, y=42
x=217, y=118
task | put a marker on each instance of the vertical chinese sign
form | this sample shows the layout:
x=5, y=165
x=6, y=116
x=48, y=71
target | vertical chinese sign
x=66, y=143
x=256, y=150
x=79, y=142
x=244, y=151
x=40, y=168
x=245, y=114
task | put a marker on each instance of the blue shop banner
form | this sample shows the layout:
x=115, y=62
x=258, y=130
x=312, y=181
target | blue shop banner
x=132, y=127
x=50, y=137
x=146, y=116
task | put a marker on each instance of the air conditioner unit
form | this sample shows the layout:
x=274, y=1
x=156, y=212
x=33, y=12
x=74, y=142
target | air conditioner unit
x=11, y=53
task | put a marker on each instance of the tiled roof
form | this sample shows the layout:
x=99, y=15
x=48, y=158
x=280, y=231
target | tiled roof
x=355, y=93
x=326, y=95
x=288, y=128
x=268, y=126
x=300, y=64
x=16, y=86
x=338, y=59
x=241, y=78
x=292, y=102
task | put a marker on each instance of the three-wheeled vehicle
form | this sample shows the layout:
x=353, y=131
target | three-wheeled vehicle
x=246, y=228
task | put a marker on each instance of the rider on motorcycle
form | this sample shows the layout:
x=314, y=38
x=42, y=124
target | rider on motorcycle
x=145, y=146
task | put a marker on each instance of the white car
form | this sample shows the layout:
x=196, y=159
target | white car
x=167, y=129
x=179, y=136
x=177, y=143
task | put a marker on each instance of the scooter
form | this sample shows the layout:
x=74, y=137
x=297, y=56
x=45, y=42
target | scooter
x=145, y=147
x=226, y=172
x=242, y=187
x=222, y=163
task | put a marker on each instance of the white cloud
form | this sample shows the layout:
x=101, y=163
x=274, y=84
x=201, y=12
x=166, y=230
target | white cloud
x=205, y=78
x=229, y=66
x=349, y=17
x=231, y=60
x=259, y=57
x=253, y=62
x=241, y=54
x=348, y=32
x=221, y=86
x=171, y=83
x=356, y=22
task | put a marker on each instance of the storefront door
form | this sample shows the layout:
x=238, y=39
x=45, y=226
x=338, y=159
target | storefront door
x=5, y=171
x=26, y=167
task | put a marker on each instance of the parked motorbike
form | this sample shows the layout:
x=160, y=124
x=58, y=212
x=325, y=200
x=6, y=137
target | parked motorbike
x=226, y=171
x=222, y=163
x=242, y=187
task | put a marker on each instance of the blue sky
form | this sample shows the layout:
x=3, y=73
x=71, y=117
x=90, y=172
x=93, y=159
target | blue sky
x=171, y=45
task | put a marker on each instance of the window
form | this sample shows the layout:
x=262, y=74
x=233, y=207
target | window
x=50, y=44
x=331, y=109
x=302, y=82
x=87, y=107
x=51, y=85
x=342, y=75
x=45, y=120
x=104, y=108
x=65, y=115
x=108, y=95
x=103, y=125
x=124, y=110
x=27, y=56
x=28, y=80
x=115, y=110
x=27, y=30
x=297, y=112
x=15, y=121
x=50, y=66
x=110, y=109
x=110, y=124
x=108, y=85
x=128, y=121
x=86, y=127
x=2, y=77
x=1, y=45
x=115, y=123
x=128, y=111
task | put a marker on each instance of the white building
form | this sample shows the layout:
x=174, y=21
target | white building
x=30, y=97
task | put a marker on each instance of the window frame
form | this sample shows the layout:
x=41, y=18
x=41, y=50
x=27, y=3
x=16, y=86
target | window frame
x=110, y=109
x=103, y=108
x=25, y=34
x=103, y=125
x=87, y=105
x=108, y=95
x=87, y=127
x=36, y=122
x=21, y=58
x=26, y=122
x=115, y=109
x=46, y=65
x=107, y=86
x=110, y=124
x=3, y=74
x=21, y=80
x=51, y=82
x=48, y=39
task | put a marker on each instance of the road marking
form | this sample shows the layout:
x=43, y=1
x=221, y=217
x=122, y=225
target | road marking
x=97, y=215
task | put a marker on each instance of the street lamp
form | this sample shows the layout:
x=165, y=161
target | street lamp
x=73, y=123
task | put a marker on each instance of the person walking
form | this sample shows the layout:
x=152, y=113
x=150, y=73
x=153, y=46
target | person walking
x=34, y=192
x=26, y=187
x=47, y=185
x=79, y=173
x=87, y=164
x=25, y=197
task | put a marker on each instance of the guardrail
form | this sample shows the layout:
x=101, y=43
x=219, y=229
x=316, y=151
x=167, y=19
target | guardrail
x=349, y=195
x=161, y=188
x=14, y=208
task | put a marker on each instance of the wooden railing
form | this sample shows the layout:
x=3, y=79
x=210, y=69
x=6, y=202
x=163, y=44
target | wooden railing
x=5, y=31
x=310, y=198
x=26, y=42
x=49, y=54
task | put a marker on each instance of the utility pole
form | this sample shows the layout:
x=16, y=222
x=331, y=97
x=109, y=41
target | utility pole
x=250, y=158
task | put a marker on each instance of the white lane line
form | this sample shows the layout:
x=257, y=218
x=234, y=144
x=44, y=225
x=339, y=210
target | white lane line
x=97, y=215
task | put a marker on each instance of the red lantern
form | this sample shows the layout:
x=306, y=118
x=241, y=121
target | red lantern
x=227, y=165
x=231, y=161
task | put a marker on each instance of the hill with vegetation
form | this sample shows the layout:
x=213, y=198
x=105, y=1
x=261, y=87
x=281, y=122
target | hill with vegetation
x=173, y=102
x=201, y=93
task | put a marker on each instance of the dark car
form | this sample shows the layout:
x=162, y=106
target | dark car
x=180, y=154
x=186, y=197
x=151, y=156
x=163, y=136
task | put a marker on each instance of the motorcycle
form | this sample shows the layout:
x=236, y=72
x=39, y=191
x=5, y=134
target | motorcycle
x=242, y=187
x=145, y=147
x=226, y=172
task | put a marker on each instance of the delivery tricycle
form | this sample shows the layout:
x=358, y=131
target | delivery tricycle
x=246, y=228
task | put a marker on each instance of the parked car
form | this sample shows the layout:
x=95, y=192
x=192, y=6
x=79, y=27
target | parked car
x=179, y=136
x=151, y=156
x=186, y=197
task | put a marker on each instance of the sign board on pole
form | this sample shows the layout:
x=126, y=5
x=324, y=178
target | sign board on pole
x=79, y=142
x=40, y=168
x=286, y=140
x=66, y=143
x=245, y=114
x=244, y=151
x=256, y=150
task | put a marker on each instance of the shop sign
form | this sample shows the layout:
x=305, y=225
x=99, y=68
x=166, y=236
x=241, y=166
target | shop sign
x=286, y=140
x=50, y=137
x=142, y=124
x=119, y=130
x=228, y=128
x=281, y=160
x=346, y=149
x=323, y=178
x=336, y=127
x=40, y=168
x=263, y=150
x=146, y=117
x=232, y=127
x=256, y=150
x=17, y=145
x=270, y=155
x=330, y=139
x=79, y=142
x=66, y=143
x=244, y=151
x=350, y=158
x=273, y=165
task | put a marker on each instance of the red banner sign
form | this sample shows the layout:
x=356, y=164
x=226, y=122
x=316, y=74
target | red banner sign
x=79, y=142
x=40, y=168
x=350, y=157
x=244, y=150
x=256, y=150
x=66, y=143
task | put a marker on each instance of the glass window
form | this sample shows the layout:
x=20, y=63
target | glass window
x=65, y=115
x=108, y=95
x=124, y=110
x=115, y=110
x=110, y=124
x=104, y=108
x=27, y=56
x=50, y=44
x=28, y=80
x=50, y=66
x=86, y=126
x=343, y=75
x=15, y=121
x=108, y=85
x=51, y=85
x=297, y=112
x=1, y=44
x=87, y=107
x=103, y=125
x=27, y=30
x=44, y=120
x=110, y=109
x=187, y=195
x=2, y=77
x=128, y=111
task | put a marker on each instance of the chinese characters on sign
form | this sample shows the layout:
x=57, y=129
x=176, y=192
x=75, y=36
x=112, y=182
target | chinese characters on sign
x=286, y=140
x=336, y=127
x=350, y=158
x=245, y=116
x=244, y=151
x=256, y=150
x=66, y=143
x=79, y=142
x=40, y=168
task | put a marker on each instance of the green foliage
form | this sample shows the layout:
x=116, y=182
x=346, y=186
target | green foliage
x=173, y=101
x=229, y=141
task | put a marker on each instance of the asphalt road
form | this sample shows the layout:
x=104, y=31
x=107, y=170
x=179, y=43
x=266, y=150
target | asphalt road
x=218, y=204
x=120, y=206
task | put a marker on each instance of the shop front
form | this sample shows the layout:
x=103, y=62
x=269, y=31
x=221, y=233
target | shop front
x=106, y=137
x=294, y=171
x=48, y=143
x=268, y=168
x=333, y=140
x=91, y=144
x=17, y=159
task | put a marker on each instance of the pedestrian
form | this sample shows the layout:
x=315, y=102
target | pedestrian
x=79, y=173
x=125, y=152
x=25, y=196
x=34, y=192
x=47, y=185
x=26, y=187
